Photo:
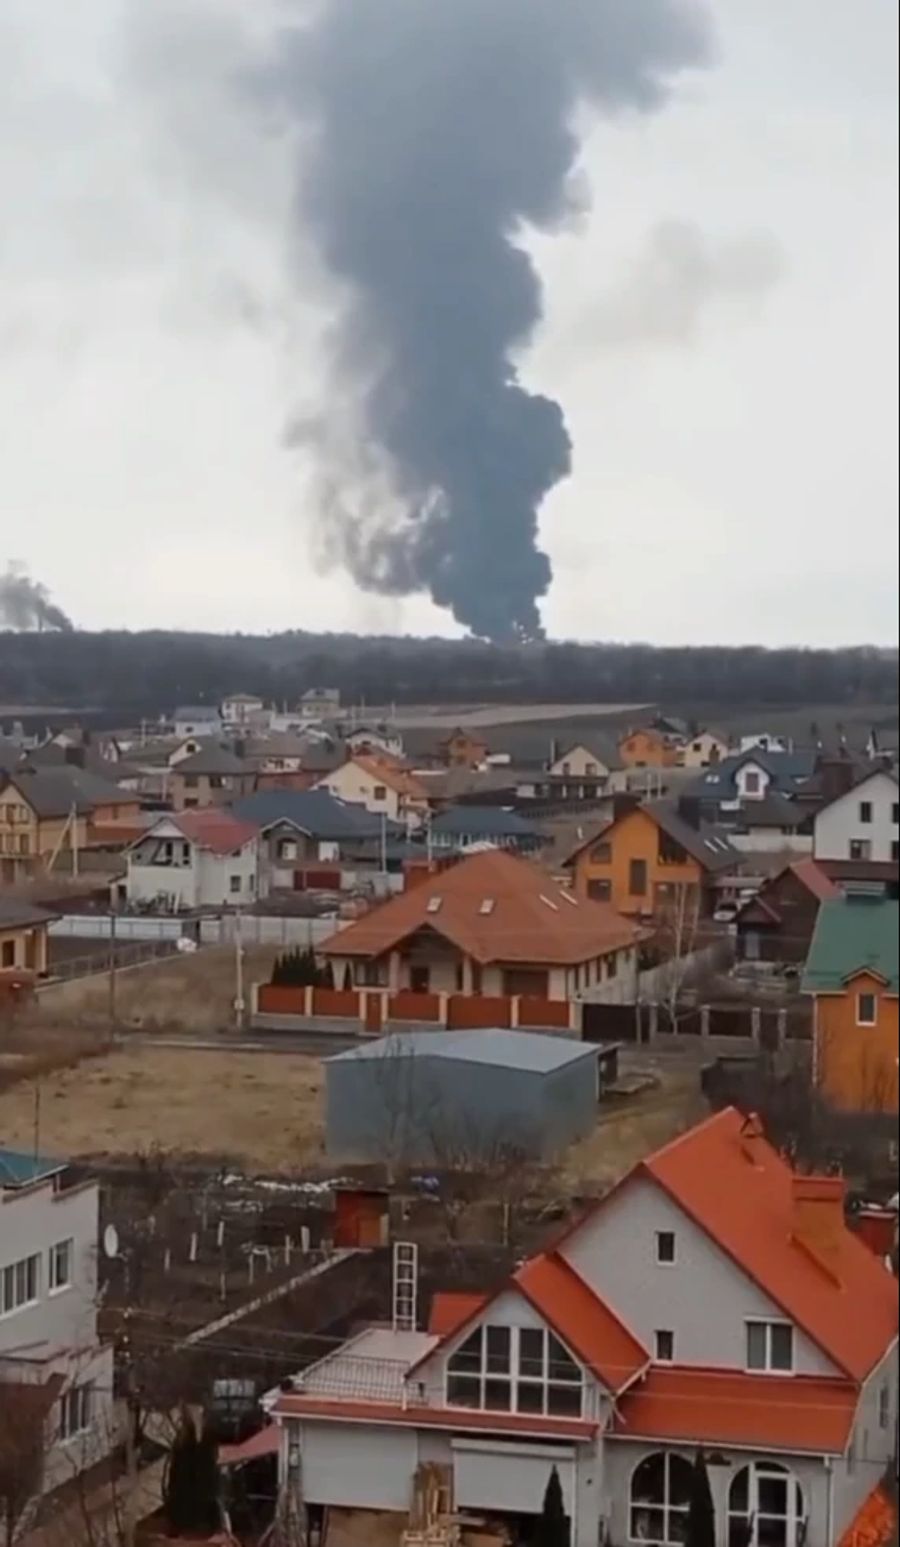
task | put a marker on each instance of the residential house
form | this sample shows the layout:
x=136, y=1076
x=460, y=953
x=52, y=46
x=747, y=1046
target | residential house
x=320, y=704
x=463, y=749
x=214, y=776
x=197, y=720
x=23, y=937
x=703, y=750
x=54, y=1370
x=702, y=1303
x=245, y=714
x=777, y=924
x=754, y=775
x=382, y=785
x=278, y=753
x=767, y=825
x=648, y=747
x=765, y=741
x=594, y=763
x=467, y=827
x=853, y=974
x=49, y=813
x=651, y=856
x=304, y=830
x=492, y=924
x=195, y=859
x=862, y=823
x=375, y=739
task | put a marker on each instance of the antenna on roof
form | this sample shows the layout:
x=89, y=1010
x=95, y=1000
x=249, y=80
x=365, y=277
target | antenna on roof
x=405, y=1286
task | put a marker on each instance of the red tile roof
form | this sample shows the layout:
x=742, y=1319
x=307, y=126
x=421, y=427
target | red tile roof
x=582, y=1320
x=815, y=879
x=450, y=1311
x=388, y=770
x=456, y=1418
x=722, y=1407
x=875, y=1524
x=532, y=919
x=214, y=830
x=746, y=1205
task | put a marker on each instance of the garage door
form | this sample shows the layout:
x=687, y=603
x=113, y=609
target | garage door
x=510, y=1477
x=357, y=1466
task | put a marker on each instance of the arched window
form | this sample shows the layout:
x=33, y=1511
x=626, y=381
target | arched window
x=660, y=1499
x=766, y=1508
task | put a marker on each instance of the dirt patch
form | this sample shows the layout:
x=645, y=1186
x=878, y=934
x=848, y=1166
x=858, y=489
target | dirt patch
x=189, y=994
x=262, y=1110
x=626, y=1133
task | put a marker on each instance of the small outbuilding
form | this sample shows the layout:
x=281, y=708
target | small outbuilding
x=448, y=1098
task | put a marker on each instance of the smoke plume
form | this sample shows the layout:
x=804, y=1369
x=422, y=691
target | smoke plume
x=434, y=132
x=26, y=604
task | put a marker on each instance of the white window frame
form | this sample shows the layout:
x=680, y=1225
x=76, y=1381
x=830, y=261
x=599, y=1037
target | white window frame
x=769, y=1325
x=65, y=1251
x=761, y=1471
x=664, y=1332
x=666, y=1262
x=513, y=1374
x=670, y=1512
x=76, y=1412
x=885, y=1406
x=15, y=1295
x=859, y=1015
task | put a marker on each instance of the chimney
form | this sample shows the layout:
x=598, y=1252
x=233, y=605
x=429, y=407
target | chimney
x=878, y=1228
x=623, y=803
x=689, y=809
x=818, y=1218
x=837, y=775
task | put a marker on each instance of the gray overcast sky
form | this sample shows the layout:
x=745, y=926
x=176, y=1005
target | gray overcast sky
x=721, y=331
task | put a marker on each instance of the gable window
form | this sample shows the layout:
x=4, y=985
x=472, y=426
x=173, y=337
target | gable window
x=665, y=1247
x=661, y=1488
x=601, y=853
x=865, y=812
x=766, y=1507
x=770, y=1347
x=637, y=878
x=591, y=770
x=752, y=782
x=866, y=1010
x=60, y=1265
x=379, y=792
x=860, y=848
x=665, y=1346
x=287, y=849
x=515, y=1370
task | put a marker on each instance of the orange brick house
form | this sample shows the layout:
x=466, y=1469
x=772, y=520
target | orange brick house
x=853, y=974
x=463, y=749
x=648, y=855
x=649, y=748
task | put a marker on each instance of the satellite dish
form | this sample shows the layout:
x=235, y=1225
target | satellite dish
x=111, y=1241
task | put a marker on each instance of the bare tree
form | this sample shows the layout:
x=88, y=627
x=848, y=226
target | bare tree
x=23, y=1446
x=676, y=939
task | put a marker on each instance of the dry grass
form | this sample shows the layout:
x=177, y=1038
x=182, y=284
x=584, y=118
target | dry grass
x=643, y=1124
x=262, y=1109
x=191, y=995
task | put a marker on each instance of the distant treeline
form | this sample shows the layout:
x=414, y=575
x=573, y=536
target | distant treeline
x=146, y=673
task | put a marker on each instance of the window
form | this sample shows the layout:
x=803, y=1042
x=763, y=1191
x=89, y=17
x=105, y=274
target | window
x=591, y=770
x=287, y=849
x=601, y=853
x=234, y=884
x=637, y=878
x=752, y=783
x=866, y=1010
x=216, y=782
x=766, y=1508
x=865, y=812
x=8, y=954
x=770, y=1347
x=895, y=852
x=20, y=1284
x=515, y=1370
x=599, y=891
x=567, y=768
x=190, y=781
x=612, y=965
x=884, y=1407
x=75, y=1411
x=661, y=1488
x=860, y=848
x=665, y=1347
x=379, y=792
x=665, y=1247
x=60, y=1265
x=895, y=814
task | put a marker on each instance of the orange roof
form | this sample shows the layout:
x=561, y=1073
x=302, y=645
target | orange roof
x=875, y=1524
x=450, y=1311
x=582, y=1320
x=724, y=1407
x=815, y=879
x=494, y=906
x=387, y=770
x=746, y=1205
x=456, y=1418
x=213, y=829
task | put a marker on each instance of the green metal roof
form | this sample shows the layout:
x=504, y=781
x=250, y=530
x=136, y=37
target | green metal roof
x=18, y=1169
x=852, y=934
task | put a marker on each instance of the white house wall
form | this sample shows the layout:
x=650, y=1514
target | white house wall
x=839, y=824
x=358, y=1466
x=872, y=1448
x=703, y=1298
x=216, y=872
x=31, y=1222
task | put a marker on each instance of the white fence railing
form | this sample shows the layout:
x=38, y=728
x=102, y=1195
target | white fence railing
x=99, y=926
x=257, y=929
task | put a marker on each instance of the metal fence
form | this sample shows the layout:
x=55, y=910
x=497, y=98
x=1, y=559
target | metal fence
x=257, y=929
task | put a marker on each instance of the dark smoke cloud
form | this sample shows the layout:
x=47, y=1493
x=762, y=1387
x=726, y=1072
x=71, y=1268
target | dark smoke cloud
x=26, y=604
x=434, y=131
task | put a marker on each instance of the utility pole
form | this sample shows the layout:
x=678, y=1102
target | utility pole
x=238, y=974
x=113, y=971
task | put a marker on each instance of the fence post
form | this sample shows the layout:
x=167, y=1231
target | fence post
x=514, y=1012
x=756, y=1024
x=443, y=1009
x=308, y=1001
x=782, y=1028
x=704, y=1020
x=654, y=1021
